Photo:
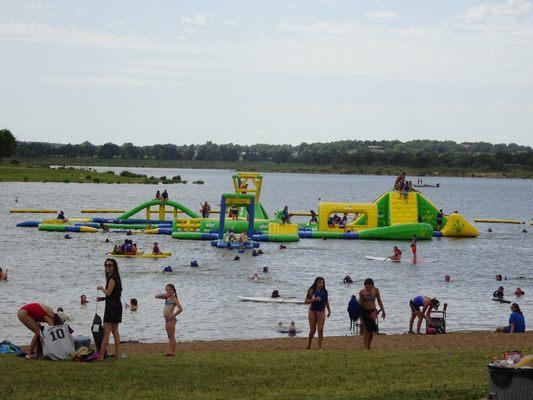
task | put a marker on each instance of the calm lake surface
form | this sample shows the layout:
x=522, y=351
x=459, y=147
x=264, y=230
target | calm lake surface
x=44, y=267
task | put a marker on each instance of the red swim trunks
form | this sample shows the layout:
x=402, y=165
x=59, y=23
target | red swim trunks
x=35, y=311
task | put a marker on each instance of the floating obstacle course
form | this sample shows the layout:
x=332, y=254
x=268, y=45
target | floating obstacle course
x=392, y=216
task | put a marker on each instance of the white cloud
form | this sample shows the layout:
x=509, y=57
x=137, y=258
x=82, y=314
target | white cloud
x=490, y=10
x=381, y=15
x=192, y=23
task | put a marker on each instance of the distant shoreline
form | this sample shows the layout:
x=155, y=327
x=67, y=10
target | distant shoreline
x=40, y=171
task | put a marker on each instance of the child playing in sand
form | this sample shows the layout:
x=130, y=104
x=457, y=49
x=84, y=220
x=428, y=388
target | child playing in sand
x=172, y=309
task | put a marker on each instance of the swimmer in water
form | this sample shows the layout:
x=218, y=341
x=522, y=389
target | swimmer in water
x=498, y=294
x=524, y=230
x=447, y=278
x=255, y=277
x=83, y=300
x=347, y=279
x=3, y=275
x=519, y=292
x=275, y=294
x=132, y=305
x=265, y=270
x=172, y=309
x=282, y=247
x=489, y=230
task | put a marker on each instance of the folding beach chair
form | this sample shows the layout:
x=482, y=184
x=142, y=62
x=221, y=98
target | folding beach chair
x=437, y=320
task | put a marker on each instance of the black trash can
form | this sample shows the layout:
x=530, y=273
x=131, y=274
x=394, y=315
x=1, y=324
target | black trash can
x=510, y=383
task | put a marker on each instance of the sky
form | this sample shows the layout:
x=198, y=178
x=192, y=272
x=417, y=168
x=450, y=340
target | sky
x=246, y=71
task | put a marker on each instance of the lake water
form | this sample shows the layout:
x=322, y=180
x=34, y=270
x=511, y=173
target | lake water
x=46, y=268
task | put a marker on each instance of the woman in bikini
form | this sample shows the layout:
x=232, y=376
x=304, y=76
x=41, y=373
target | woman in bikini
x=317, y=298
x=31, y=315
x=367, y=298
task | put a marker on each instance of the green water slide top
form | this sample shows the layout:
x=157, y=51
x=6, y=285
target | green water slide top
x=157, y=202
x=398, y=232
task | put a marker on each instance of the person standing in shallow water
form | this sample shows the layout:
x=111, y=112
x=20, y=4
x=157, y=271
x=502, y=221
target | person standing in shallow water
x=367, y=298
x=317, y=298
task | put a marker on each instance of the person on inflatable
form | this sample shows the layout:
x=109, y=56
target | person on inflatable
x=158, y=195
x=61, y=216
x=285, y=216
x=314, y=217
x=164, y=196
x=156, y=249
x=440, y=216
x=421, y=306
x=206, y=209
x=517, y=322
x=397, y=254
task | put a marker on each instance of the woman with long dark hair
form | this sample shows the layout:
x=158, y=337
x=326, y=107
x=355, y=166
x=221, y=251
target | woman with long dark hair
x=367, y=298
x=113, y=306
x=317, y=298
x=517, y=322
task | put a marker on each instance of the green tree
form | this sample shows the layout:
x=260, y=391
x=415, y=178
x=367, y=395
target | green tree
x=8, y=143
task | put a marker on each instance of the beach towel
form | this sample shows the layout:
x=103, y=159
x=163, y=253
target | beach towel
x=6, y=347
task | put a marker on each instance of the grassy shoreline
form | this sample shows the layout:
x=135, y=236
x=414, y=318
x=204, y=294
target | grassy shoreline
x=451, y=366
x=288, y=167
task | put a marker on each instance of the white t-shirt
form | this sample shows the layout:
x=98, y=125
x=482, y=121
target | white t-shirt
x=57, y=342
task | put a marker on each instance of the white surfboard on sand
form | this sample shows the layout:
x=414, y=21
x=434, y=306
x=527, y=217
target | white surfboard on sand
x=293, y=300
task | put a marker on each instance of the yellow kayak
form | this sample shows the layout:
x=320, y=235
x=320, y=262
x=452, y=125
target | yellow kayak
x=140, y=254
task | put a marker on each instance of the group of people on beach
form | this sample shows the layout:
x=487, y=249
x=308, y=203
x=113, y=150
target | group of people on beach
x=33, y=314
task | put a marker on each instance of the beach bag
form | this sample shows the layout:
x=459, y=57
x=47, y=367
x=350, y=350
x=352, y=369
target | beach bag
x=97, y=329
x=57, y=342
x=6, y=347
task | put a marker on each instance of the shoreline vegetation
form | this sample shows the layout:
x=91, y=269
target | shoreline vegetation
x=418, y=158
x=450, y=366
x=21, y=170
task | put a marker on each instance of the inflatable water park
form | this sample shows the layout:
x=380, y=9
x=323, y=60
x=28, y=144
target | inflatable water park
x=392, y=216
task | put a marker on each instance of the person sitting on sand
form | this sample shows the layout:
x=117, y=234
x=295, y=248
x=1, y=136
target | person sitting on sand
x=347, y=279
x=517, y=322
x=397, y=254
x=416, y=303
x=83, y=300
x=31, y=315
x=132, y=305
x=3, y=275
x=155, y=248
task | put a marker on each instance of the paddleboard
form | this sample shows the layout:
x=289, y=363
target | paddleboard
x=293, y=300
x=501, y=300
x=381, y=259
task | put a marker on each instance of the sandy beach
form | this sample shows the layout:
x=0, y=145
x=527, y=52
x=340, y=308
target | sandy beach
x=449, y=341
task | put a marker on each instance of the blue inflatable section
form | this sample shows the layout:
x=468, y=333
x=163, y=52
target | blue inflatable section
x=28, y=224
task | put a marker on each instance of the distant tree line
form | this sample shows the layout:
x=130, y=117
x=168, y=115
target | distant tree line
x=416, y=153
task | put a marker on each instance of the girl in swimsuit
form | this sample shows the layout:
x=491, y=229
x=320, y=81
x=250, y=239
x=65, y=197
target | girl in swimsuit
x=317, y=298
x=367, y=298
x=31, y=315
x=172, y=309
